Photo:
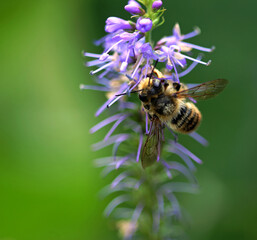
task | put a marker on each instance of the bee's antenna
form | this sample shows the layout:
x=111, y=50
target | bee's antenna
x=122, y=94
x=151, y=74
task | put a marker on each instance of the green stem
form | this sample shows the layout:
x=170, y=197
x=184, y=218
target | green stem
x=148, y=4
x=151, y=201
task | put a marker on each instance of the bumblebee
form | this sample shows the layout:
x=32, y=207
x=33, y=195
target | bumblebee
x=166, y=103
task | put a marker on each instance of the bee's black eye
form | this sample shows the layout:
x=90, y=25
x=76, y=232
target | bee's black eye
x=176, y=86
x=143, y=98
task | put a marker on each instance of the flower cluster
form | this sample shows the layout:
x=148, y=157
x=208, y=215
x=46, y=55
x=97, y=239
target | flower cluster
x=146, y=197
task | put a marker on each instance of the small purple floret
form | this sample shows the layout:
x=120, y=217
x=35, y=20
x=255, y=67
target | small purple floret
x=134, y=8
x=114, y=24
x=144, y=24
x=156, y=5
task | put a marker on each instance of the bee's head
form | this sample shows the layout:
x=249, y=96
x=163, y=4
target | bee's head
x=156, y=87
x=149, y=88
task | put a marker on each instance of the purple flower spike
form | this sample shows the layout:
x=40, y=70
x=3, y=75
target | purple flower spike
x=134, y=8
x=144, y=24
x=128, y=58
x=156, y=5
x=114, y=24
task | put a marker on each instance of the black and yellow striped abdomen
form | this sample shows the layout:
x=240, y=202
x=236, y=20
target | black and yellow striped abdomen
x=186, y=119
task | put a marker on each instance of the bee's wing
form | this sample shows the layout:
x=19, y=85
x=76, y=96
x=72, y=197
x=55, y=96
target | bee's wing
x=150, y=149
x=203, y=91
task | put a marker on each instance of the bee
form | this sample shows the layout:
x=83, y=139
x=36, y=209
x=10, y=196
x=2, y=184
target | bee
x=165, y=103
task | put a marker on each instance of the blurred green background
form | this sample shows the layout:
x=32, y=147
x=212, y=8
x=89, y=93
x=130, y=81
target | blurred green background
x=48, y=183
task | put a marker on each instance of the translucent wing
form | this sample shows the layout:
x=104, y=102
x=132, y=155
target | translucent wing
x=203, y=91
x=151, y=149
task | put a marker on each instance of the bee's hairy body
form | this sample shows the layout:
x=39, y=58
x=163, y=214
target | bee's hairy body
x=158, y=100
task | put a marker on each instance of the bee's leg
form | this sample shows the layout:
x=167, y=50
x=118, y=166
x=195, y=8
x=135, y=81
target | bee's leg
x=159, y=146
x=151, y=128
x=150, y=116
x=155, y=117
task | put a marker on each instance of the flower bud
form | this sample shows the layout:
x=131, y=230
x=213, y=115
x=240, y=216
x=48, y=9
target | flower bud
x=114, y=24
x=134, y=8
x=144, y=24
x=157, y=4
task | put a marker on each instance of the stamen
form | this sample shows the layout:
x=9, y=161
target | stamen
x=173, y=133
x=105, y=105
x=104, y=56
x=97, y=88
x=196, y=32
x=111, y=140
x=114, y=45
x=117, y=98
x=93, y=63
x=115, y=150
x=184, y=170
x=192, y=100
x=185, y=158
x=101, y=40
x=103, y=81
x=105, y=122
x=138, y=184
x=128, y=105
x=187, y=152
x=167, y=168
x=101, y=68
x=146, y=66
x=199, y=138
x=139, y=146
x=115, y=125
x=137, y=212
x=139, y=63
x=93, y=55
x=115, y=202
x=191, y=67
x=118, y=179
x=195, y=60
x=113, y=101
x=179, y=63
x=125, y=63
x=199, y=47
x=129, y=77
x=175, y=205
x=175, y=69
x=180, y=187
x=122, y=161
x=103, y=73
x=130, y=90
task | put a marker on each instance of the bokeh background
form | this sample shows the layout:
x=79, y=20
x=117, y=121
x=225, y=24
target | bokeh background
x=48, y=183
